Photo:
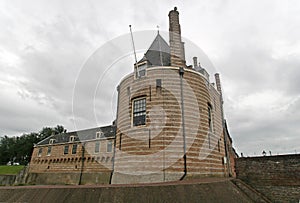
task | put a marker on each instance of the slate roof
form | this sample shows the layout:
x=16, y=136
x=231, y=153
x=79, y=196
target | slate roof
x=81, y=135
x=158, y=54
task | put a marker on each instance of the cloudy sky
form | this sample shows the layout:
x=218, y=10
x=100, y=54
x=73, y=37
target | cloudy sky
x=46, y=48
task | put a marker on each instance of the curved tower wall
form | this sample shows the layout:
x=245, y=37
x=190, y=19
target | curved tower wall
x=154, y=152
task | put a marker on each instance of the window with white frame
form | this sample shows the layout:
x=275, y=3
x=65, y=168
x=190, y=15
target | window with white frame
x=141, y=70
x=99, y=135
x=74, y=149
x=109, y=146
x=72, y=138
x=40, y=151
x=66, y=149
x=51, y=141
x=97, y=147
x=49, y=151
x=139, y=112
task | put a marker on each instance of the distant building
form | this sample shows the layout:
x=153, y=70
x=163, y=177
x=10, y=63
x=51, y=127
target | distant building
x=169, y=126
x=85, y=156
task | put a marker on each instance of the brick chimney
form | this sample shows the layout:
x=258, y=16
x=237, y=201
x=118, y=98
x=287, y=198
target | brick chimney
x=176, y=45
x=195, y=62
x=218, y=83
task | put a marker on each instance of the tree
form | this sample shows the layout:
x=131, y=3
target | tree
x=19, y=149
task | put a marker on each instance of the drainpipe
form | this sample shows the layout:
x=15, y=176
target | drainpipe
x=228, y=164
x=181, y=72
x=82, y=162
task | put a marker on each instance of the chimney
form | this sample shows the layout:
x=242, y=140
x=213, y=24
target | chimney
x=195, y=62
x=176, y=45
x=218, y=83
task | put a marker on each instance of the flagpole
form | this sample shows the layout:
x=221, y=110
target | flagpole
x=133, y=48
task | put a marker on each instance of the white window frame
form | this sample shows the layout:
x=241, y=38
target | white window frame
x=133, y=113
x=75, y=148
x=40, y=151
x=139, y=68
x=72, y=138
x=97, y=147
x=99, y=134
x=51, y=141
x=109, y=142
x=68, y=149
x=49, y=151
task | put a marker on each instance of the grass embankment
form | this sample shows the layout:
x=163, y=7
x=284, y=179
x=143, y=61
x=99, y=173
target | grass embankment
x=10, y=170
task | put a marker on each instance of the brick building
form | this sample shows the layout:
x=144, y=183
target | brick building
x=169, y=126
x=84, y=156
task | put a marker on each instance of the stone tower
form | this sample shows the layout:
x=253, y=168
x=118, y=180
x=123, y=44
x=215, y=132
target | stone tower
x=169, y=118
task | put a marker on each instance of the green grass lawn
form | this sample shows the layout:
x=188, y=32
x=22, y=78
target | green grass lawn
x=10, y=170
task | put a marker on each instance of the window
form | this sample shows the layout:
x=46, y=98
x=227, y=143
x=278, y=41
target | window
x=40, y=151
x=109, y=146
x=99, y=135
x=49, y=151
x=72, y=138
x=210, y=118
x=97, y=147
x=158, y=83
x=141, y=70
x=139, y=112
x=74, y=149
x=51, y=141
x=66, y=149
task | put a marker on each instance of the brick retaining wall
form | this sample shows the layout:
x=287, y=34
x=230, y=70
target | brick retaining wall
x=278, y=177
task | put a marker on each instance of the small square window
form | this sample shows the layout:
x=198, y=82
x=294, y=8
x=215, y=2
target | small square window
x=51, y=141
x=66, y=149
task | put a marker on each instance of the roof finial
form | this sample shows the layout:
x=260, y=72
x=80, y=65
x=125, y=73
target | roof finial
x=157, y=26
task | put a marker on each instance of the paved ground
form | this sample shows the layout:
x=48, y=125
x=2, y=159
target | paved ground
x=203, y=190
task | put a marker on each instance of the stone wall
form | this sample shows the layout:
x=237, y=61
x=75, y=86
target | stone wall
x=70, y=178
x=277, y=177
x=7, y=179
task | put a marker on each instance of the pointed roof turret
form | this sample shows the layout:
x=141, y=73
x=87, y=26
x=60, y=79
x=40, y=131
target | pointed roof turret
x=158, y=54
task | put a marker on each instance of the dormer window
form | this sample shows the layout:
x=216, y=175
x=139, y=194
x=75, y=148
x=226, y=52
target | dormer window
x=99, y=135
x=141, y=70
x=51, y=141
x=72, y=139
